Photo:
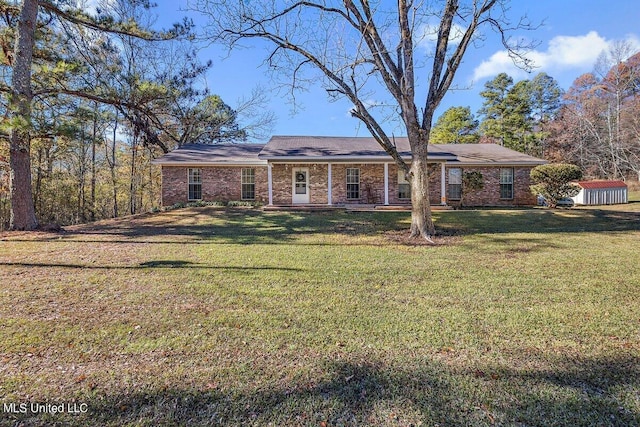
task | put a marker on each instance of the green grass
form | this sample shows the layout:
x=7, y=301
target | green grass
x=210, y=316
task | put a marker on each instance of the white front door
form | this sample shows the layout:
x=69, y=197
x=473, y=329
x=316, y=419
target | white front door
x=300, y=185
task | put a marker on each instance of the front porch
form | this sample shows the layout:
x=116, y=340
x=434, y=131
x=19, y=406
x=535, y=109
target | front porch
x=341, y=184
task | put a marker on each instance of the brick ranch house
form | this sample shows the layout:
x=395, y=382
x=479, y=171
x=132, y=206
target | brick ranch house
x=339, y=171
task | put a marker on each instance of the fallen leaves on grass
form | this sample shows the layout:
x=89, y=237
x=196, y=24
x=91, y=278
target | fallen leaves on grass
x=403, y=237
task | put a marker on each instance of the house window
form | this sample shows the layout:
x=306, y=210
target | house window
x=248, y=184
x=353, y=183
x=455, y=184
x=195, y=184
x=506, y=183
x=404, y=188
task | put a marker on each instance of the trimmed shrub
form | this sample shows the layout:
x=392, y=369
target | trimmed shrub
x=553, y=182
x=243, y=203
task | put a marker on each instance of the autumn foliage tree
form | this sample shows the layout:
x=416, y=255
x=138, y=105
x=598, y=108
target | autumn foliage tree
x=597, y=125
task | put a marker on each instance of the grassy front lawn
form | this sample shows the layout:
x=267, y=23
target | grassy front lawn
x=237, y=317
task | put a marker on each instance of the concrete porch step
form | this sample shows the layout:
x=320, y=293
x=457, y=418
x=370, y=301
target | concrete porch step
x=303, y=208
x=350, y=208
x=408, y=207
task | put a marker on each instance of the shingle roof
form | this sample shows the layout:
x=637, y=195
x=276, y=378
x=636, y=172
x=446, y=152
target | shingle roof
x=592, y=185
x=323, y=148
x=214, y=153
x=485, y=154
x=327, y=146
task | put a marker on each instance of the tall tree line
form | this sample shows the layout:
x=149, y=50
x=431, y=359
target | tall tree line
x=595, y=124
x=92, y=102
x=598, y=126
x=50, y=63
x=516, y=115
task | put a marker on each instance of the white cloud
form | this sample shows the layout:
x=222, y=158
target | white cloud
x=563, y=52
x=368, y=104
x=567, y=51
x=91, y=6
x=498, y=63
x=426, y=35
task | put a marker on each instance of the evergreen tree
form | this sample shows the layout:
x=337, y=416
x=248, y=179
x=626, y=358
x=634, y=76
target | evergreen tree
x=19, y=105
x=493, y=124
x=518, y=123
x=455, y=126
x=546, y=99
x=516, y=115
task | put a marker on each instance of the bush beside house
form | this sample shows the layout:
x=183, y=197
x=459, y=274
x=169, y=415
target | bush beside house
x=554, y=182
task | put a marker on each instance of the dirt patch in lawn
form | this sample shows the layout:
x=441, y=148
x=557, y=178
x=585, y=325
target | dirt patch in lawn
x=442, y=238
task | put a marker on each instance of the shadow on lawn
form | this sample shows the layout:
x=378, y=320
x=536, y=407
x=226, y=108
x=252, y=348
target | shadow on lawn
x=206, y=225
x=543, y=221
x=251, y=226
x=146, y=265
x=431, y=393
x=254, y=226
x=229, y=226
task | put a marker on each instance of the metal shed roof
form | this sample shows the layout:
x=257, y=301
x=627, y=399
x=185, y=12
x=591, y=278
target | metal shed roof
x=592, y=185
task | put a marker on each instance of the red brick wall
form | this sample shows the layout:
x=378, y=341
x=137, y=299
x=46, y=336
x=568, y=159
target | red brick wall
x=490, y=194
x=371, y=184
x=318, y=184
x=434, y=186
x=282, y=179
x=224, y=184
x=218, y=184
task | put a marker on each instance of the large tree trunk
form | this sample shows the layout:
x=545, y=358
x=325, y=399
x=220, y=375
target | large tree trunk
x=94, y=136
x=80, y=214
x=37, y=191
x=23, y=216
x=421, y=219
x=112, y=166
x=132, y=182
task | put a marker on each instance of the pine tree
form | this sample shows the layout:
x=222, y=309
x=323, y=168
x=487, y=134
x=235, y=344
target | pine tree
x=455, y=126
x=20, y=102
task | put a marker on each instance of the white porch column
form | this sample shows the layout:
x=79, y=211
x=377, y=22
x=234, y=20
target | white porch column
x=270, y=184
x=443, y=187
x=386, y=184
x=329, y=185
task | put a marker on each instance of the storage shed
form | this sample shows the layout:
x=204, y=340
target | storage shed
x=601, y=193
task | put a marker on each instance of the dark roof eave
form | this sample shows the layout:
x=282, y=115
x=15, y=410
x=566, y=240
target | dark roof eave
x=498, y=163
x=346, y=158
x=210, y=163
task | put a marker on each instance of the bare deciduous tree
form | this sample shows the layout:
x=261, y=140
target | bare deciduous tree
x=597, y=127
x=362, y=47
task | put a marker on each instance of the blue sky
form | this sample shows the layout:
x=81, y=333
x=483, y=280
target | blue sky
x=573, y=34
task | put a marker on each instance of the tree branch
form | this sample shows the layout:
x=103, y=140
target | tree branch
x=435, y=95
x=108, y=26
